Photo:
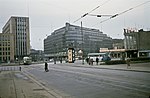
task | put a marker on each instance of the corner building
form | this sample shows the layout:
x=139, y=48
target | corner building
x=89, y=40
x=137, y=43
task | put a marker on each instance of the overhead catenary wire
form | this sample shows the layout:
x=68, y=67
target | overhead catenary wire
x=124, y=11
x=100, y=15
x=91, y=11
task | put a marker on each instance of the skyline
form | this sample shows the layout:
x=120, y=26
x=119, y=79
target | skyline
x=48, y=15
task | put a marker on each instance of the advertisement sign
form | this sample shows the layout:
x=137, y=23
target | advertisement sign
x=71, y=55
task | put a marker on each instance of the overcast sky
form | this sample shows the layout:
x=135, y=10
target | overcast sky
x=49, y=15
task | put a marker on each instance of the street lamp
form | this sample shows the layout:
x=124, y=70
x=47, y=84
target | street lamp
x=82, y=44
x=54, y=53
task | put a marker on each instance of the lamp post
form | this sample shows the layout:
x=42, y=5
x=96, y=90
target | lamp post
x=54, y=53
x=82, y=44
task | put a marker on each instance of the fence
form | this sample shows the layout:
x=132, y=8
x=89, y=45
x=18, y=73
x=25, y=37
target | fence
x=10, y=68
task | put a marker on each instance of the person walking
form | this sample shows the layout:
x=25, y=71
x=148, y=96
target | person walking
x=128, y=63
x=87, y=60
x=46, y=67
x=91, y=61
x=97, y=60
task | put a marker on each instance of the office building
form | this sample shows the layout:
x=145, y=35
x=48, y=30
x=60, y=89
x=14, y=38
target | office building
x=19, y=27
x=71, y=36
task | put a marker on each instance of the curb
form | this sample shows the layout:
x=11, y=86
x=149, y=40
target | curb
x=124, y=69
x=145, y=71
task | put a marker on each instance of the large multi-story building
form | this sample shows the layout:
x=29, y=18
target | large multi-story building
x=71, y=36
x=19, y=27
x=137, y=42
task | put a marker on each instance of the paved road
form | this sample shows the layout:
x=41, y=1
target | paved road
x=82, y=82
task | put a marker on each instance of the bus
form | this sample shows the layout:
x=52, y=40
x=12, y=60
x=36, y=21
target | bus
x=27, y=60
x=103, y=56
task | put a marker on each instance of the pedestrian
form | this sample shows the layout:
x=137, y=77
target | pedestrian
x=128, y=63
x=97, y=60
x=87, y=60
x=46, y=67
x=91, y=61
x=19, y=68
x=60, y=60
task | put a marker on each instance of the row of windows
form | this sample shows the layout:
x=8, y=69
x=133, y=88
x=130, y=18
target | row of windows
x=7, y=58
x=21, y=29
x=20, y=19
x=4, y=53
x=5, y=44
x=21, y=25
x=21, y=37
x=5, y=49
x=5, y=38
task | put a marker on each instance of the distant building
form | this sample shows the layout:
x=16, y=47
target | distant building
x=37, y=55
x=118, y=43
x=71, y=36
x=118, y=52
x=137, y=42
x=19, y=27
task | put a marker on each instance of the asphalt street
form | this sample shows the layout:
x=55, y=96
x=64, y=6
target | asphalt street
x=86, y=82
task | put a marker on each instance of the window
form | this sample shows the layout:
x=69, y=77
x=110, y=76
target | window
x=8, y=43
x=9, y=58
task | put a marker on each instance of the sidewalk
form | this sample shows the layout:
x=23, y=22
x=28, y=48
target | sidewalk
x=15, y=84
x=138, y=67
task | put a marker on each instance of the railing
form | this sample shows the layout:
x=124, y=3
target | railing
x=10, y=68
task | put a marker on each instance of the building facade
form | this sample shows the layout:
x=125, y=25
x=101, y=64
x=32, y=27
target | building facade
x=19, y=27
x=118, y=43
x=138, y=41
x=6, y=47
x=71, y=36
x=37, y=55
x=15, y=39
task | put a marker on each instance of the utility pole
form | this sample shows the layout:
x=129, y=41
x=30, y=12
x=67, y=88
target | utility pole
x=82, y=44
x=55, y=53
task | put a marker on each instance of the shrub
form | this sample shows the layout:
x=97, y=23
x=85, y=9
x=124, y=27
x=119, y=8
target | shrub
x=115, y=62
x=140, y=59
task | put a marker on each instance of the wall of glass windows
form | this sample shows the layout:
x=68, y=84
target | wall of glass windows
x=70, y=36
